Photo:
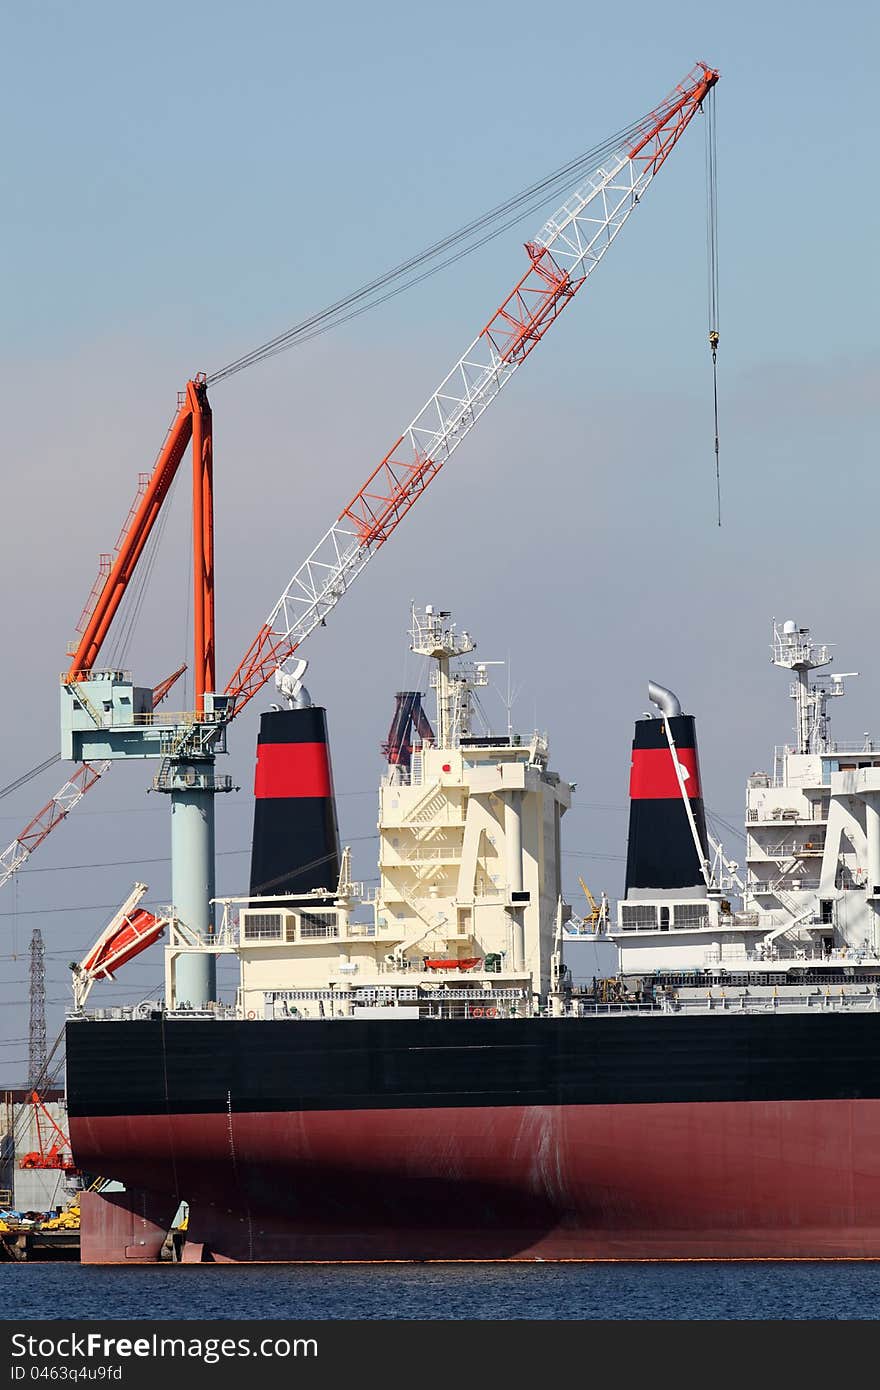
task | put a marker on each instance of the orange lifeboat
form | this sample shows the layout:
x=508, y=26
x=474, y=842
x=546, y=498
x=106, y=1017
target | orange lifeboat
x=135, y=934
x=453, y=963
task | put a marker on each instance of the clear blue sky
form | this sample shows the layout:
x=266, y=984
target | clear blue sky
x=183, y=182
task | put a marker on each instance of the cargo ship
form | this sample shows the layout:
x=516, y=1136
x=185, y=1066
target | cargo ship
x=444, y=1069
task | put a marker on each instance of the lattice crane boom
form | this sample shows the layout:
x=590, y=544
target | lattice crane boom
x=562, y=256
x=52, y=814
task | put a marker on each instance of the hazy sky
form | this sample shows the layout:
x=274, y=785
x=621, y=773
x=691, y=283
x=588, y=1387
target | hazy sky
x=181, y=183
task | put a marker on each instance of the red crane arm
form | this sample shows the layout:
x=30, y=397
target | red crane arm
x=192, y=422
x=132, y=543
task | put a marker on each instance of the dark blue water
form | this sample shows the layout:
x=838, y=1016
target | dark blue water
x=618, y=1291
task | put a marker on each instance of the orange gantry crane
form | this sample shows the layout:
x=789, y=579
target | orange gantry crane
x=560, y=259
x=53, y=1145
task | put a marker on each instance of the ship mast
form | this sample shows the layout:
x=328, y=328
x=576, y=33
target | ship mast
x=793, y=649
x=433, y=634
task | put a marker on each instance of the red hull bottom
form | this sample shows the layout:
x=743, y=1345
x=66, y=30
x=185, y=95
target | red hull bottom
x=740, y=1180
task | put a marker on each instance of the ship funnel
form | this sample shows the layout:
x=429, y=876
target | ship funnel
x=296, y=837
x=662, y=857
x=666, y=702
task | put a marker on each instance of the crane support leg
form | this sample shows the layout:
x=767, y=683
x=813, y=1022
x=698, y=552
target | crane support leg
x=203, y=540
x=192, y=881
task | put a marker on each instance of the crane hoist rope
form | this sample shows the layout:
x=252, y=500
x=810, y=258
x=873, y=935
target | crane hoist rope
x=712, y=266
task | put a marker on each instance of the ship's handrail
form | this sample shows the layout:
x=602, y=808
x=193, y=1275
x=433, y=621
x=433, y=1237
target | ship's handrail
x=832, y=749
x=458, y=1005
x=790, y=847
x=737, y=1005
x=128, y=1012
x=834, y=746
x=849, y=955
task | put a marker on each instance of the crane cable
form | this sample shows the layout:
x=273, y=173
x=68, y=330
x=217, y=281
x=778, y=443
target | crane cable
x=29, y=776
x=490, y=224
x=133, y=601
x=712, y=263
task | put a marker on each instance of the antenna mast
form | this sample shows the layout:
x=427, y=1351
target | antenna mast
x=794, y=650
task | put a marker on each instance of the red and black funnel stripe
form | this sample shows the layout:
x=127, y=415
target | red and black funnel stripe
x=661, y=853
x=296, y=837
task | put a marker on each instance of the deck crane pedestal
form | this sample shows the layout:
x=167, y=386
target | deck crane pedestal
x=105, y=716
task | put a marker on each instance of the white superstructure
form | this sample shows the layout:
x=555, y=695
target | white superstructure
x=813, y=825
x=468, y=912
x=468, y=919
x=810, y=893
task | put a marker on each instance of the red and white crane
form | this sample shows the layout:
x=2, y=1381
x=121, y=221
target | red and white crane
x=561, y=257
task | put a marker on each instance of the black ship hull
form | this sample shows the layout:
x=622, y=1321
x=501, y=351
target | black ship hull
x=661, y=1136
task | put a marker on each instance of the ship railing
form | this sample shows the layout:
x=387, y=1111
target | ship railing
x=791, y=847
x=454, y=1008
x=588, y=1008
x=400, y=776
x=146, y=1008
x=397, y=776
x=815, y=1001
x=433, y=854
x=477, y=994
x=222, y=1011
x=776, y=917
x=846, y=955
x=832, y=748
x=838, y=954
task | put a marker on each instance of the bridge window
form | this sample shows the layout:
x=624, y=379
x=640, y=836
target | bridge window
x=638, y=915
x=261, y=926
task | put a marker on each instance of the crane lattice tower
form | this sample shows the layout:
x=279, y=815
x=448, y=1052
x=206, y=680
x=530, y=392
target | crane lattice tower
x=37, y=1034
